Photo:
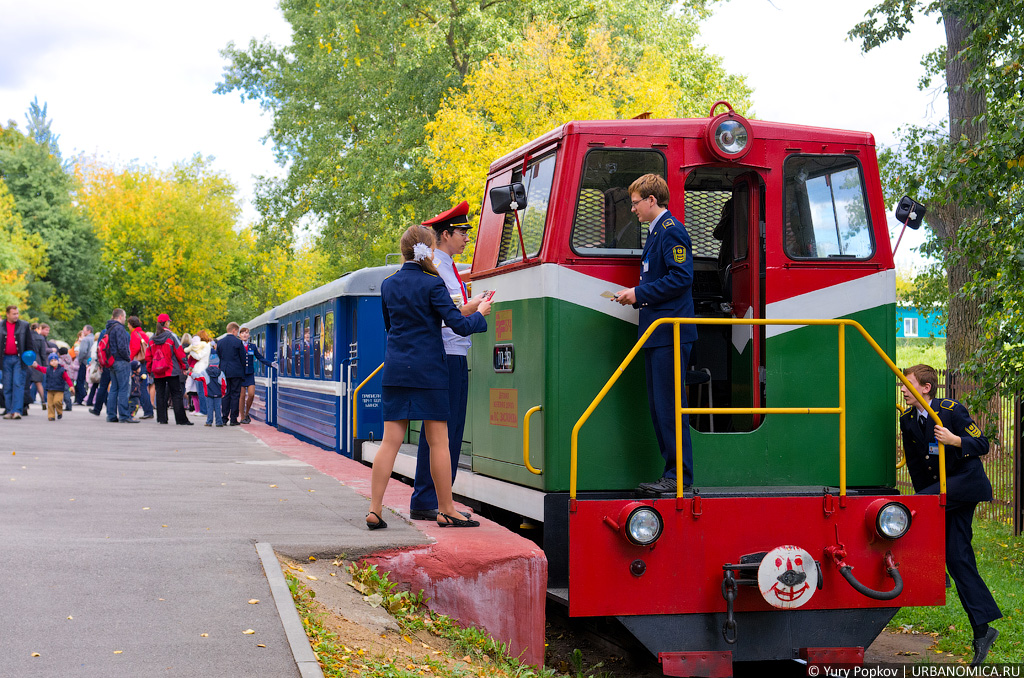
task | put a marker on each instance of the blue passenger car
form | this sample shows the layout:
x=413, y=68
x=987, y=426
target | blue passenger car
x=325, y=341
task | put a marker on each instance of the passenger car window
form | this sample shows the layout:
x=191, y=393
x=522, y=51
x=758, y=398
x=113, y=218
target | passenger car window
x=826, y=214
x=538, y=179
x=328, y=341
x=316, y=346
x=604, y=224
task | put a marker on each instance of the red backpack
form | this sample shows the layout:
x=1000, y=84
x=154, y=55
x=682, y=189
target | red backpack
x=106, y=360
x=161, y=366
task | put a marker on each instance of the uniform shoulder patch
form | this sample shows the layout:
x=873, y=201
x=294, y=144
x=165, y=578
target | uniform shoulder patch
x=947, y=404
x=907, y=411
x=668, y=222
x=973, y=430
x=679, y=254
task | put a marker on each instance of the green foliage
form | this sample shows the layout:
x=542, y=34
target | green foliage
x=918, y=350
x=968, y=172
x=22, y=255
x=1001, y=564
x=353, y=93
x=167, y=239
x=66, y=293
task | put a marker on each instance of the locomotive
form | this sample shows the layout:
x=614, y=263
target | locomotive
x=793, y=542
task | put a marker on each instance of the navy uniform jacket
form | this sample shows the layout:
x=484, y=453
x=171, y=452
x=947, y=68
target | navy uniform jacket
x=666, y=281
x=232, y=356
x=253, y=352
x=965, y=475
x=414, y=303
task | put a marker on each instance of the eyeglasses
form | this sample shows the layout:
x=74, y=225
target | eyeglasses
x=637, y=202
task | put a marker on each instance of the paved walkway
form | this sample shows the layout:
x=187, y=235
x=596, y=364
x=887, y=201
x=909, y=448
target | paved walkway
x=122, y=545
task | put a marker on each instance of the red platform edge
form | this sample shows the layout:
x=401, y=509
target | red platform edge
x=486, y=576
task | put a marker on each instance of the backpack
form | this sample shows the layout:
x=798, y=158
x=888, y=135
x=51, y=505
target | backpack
x=161, y=365
x=105, y=359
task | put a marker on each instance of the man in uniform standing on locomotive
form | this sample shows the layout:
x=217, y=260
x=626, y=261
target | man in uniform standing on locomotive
x=665, y=291
x=452, y=230
x=966, y=486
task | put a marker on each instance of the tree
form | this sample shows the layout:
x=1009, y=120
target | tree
x=44, y=191
x=352, y=94
x=22, y=255
x=970, y=174
x=547, y=79
x=167, y=243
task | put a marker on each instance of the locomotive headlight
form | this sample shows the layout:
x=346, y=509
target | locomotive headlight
x=892, y=520
x=644, y=526
x=730, y=137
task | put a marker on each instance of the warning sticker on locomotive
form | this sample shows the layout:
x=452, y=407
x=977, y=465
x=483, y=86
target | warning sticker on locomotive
x=504, y=407
x=787, y=577
x=503, y=325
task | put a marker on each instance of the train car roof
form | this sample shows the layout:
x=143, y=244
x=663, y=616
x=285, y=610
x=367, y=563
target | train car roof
x=682, y=127
x=363, y=283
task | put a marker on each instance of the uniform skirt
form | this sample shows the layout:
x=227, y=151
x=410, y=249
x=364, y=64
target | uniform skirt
x=404, y=402
x=249, y=380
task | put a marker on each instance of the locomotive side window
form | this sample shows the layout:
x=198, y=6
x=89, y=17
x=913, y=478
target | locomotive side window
x=826, y=209
x=538, y=179
x=604, y=224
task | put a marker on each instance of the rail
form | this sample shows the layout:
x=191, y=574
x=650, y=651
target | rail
x=840, y=323
x=355, y=398
x=526, y=440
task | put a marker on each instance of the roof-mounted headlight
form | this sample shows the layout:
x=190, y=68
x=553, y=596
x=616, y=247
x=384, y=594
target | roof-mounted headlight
x=728, y=135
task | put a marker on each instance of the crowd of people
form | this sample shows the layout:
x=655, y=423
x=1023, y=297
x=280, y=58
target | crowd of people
x=136, y=374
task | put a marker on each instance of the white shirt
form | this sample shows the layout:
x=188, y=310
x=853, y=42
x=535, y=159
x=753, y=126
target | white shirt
x=453, y=343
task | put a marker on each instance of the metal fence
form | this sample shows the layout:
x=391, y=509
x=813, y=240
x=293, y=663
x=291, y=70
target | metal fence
x=1003, y=461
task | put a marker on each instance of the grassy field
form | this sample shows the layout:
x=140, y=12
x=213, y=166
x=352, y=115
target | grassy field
x=914, y=351
x=1001, y=563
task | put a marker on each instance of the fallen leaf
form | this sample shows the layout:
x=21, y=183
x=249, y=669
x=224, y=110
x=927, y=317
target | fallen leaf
x=35, y=654
x=253, y=601
x=70, y=617
x=273, y=485
x=260, y=645
x=333, y=575
x=145, y=508
x=312, y=490
x=312, y=558
x=204, y=635
x=407, y=639
x=309, y=576
x=117, y=651
x=248, y=632
x=163, y=526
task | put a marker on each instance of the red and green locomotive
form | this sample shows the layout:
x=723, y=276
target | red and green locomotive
x=793, y=541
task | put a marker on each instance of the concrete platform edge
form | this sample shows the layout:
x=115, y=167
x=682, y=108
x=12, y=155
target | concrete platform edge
x=303, y=654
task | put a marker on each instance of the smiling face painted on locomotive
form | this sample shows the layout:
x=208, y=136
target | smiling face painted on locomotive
x=786, y=222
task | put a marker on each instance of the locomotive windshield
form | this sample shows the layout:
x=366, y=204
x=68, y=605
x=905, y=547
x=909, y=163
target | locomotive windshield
x=605, y=224
x=825, y=209
x=538, y=179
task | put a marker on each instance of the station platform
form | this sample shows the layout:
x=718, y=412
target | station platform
x=134, y=549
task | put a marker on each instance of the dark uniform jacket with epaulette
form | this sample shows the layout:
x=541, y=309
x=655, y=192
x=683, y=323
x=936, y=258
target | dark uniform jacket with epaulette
x=965, y=475
x=414, y=304
x=666, y=281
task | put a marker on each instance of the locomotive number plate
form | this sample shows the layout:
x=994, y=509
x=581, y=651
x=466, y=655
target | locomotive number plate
x=504, y=358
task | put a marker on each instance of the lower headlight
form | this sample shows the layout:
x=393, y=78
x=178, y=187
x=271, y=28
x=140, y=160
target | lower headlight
x=644, y=526
x=893, y=520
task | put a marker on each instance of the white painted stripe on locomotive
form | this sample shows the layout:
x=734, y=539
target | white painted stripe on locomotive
x=335, y=388
x=558, y=282
x=836, y=301
x=521, y=500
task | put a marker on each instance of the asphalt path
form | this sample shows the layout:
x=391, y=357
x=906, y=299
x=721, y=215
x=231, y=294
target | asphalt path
x=129, y=549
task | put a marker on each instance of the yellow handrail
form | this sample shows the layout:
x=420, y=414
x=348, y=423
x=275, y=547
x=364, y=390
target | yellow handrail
x=526, y=440
x=840, y=323
x=903, y=457
x=355, y=392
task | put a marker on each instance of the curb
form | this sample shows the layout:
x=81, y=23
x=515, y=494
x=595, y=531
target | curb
x=303, y=654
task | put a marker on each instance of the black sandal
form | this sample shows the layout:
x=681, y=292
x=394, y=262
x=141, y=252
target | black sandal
x=379, y=525
x=456, y=522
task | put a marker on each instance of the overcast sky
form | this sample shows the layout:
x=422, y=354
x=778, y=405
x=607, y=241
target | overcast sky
x=128, y=80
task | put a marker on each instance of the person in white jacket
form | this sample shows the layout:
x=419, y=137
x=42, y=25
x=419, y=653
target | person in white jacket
x=198, y=350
